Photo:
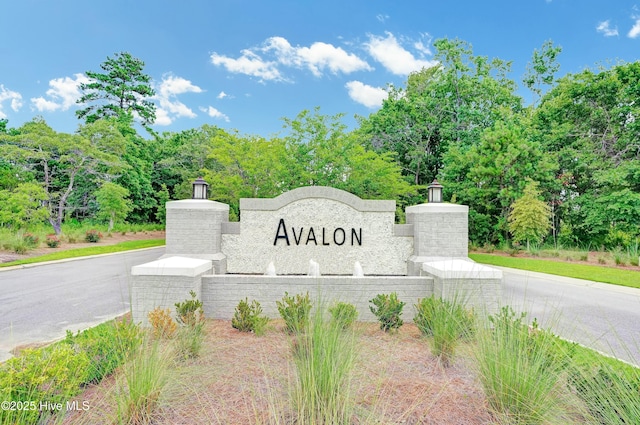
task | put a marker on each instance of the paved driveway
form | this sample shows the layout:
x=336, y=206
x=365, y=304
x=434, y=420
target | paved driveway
x=39, y=303
x=601, y=316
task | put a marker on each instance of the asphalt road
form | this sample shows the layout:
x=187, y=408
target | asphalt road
x=40, y=303
x=601, y=316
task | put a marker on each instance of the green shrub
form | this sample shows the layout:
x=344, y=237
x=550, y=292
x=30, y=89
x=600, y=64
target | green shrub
x=52, y=374
x=295, y=311
x=388, y=309
x=344, y=314
x=106, y=345
x=189, y=312
x=52, y=241
x=249, y=318
x=191, y=334
x=31, y=240
x=92, y=236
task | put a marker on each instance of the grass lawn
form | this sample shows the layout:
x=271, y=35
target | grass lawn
x=579, y=271
x=83, y=252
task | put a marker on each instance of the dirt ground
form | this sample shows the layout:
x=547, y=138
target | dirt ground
x=114, y=238
x=241, y=378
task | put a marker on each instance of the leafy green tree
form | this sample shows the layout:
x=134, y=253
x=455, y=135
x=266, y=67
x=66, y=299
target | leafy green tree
x=529, y=216
x=121, y=88
x=588, y=121
x=23, y=206
x=447, y=105
x=491, y=175
x=542, y=68
x=113, y=205
x=56, y=161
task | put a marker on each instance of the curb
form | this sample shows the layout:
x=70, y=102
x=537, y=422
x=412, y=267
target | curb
x=66, y=260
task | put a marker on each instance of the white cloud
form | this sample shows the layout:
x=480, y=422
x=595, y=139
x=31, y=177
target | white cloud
x=62, y=94
x=170, y=107
x=214, y=113
x=172, y=85
x=13, y=96
x=162, y=117
x=382, y=18
x=249, y=64
x=265, y=61
x=222, y=95
x=369, y=96
x=604, y=28
x=319, y=56
x=395, y=58
x=634, y=32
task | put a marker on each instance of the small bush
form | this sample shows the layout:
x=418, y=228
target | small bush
x=53, y=374
x=52, y=241
x=106, y=345
x=295, y=311
x=344, y=314
x=162, y=323
x=249, y=317
x=191, y=334
x=92, y=236
x=388, y=309
x=31, y=240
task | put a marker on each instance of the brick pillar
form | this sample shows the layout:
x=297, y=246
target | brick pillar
x=439, y=230
x=194, y=228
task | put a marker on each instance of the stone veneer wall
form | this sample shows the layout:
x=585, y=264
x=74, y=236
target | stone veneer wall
x=334, y=215
x=221, y=293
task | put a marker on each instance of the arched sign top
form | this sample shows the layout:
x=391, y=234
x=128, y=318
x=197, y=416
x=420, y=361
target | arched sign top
x=319, y=192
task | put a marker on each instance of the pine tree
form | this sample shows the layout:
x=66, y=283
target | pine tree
x=529, y=216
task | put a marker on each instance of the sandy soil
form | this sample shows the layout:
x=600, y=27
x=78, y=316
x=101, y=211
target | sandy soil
x=241, y=378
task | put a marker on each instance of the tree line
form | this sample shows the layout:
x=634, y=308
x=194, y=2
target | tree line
x=571, y=158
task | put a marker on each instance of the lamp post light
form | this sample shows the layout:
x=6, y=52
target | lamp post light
x=434, y=192
x=199, y=189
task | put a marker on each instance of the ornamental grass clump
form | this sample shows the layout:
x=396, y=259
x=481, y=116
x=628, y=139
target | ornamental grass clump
x=388, y=309
x=447, y=322
x=611, y=394
x=519, y=369
x=142, y=383
x=324, y=356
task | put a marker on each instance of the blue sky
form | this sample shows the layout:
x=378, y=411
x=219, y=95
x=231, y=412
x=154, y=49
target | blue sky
x=244, y=65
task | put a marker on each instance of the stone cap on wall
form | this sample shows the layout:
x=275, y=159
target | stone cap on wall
x=173, y=266
x=197, y=204
x=355, y=202
x=437, y=207
x=460, y=269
